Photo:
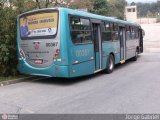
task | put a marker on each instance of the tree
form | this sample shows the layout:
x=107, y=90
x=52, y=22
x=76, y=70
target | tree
x=53, y=3
x=25, y=5
x=133, y=4
x=8, y=53
x=43, y=3
x=81, y=4
x=9, y=9
x=144, y=8
x=100, y=7
x=2, y=2
x=117, y=8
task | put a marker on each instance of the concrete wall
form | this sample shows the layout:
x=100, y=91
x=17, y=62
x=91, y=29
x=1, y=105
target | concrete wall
x=131, y=13
x=146, y=20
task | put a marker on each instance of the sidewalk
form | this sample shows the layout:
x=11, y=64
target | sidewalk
x=13, y=81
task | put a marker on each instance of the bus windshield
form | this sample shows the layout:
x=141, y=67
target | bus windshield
x=38, y=25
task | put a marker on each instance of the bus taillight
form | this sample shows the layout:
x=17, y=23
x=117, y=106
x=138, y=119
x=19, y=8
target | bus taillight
x=58, y=51
x=56, y=54
x=22, y=53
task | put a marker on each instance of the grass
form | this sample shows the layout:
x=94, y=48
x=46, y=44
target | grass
x=11, y=78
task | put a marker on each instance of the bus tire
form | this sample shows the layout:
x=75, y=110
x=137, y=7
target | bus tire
x=110, y=64
x=136, y=56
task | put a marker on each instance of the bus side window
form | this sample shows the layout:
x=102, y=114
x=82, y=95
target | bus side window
x=106, y=32
x=132, y=33
x=115, y=34
x=80, y=30
x=129, y=33
x=136, y=33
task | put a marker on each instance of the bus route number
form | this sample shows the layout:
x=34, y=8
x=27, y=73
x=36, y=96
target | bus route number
x=54, y=44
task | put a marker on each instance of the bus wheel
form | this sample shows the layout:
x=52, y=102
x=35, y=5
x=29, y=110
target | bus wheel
x=110, y=64
x=136, y=56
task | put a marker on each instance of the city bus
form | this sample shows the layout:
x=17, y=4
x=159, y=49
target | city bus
x=61, y=42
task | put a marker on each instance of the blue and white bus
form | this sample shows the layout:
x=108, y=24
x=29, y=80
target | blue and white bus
x=61, y=42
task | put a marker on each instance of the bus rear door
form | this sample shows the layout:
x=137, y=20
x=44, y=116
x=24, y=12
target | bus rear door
x=142, y=34
x=96, y=25
x=122, y=44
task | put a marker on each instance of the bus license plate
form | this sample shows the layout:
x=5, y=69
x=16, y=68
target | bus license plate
x=38, y=61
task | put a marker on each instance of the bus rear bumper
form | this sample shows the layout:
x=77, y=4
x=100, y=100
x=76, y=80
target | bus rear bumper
x=51, y=71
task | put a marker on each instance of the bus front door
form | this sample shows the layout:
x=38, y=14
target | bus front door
x=122, y=44
x=97, y=46
x=142, y=34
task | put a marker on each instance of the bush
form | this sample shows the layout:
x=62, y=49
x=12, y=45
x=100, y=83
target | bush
x=8, y=53
x=8, y=49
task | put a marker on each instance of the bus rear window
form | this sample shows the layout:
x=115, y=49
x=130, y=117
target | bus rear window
x=38, y=25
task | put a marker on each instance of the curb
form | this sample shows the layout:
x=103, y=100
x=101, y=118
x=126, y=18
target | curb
x=14, y=81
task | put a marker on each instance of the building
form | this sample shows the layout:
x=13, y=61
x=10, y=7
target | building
x=131, y=13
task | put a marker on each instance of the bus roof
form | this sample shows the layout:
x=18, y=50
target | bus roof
x=95, y=16
x=86, y=14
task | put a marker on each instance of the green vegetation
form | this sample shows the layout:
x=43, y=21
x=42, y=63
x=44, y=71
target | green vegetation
x=100, y=7
x=113, y=8
x=8, y=60
x=10, y=78
x=148, y=9
x=8, y=51
x=117, y=8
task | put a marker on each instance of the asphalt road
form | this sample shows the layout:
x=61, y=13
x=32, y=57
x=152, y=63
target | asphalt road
x=133, y=87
